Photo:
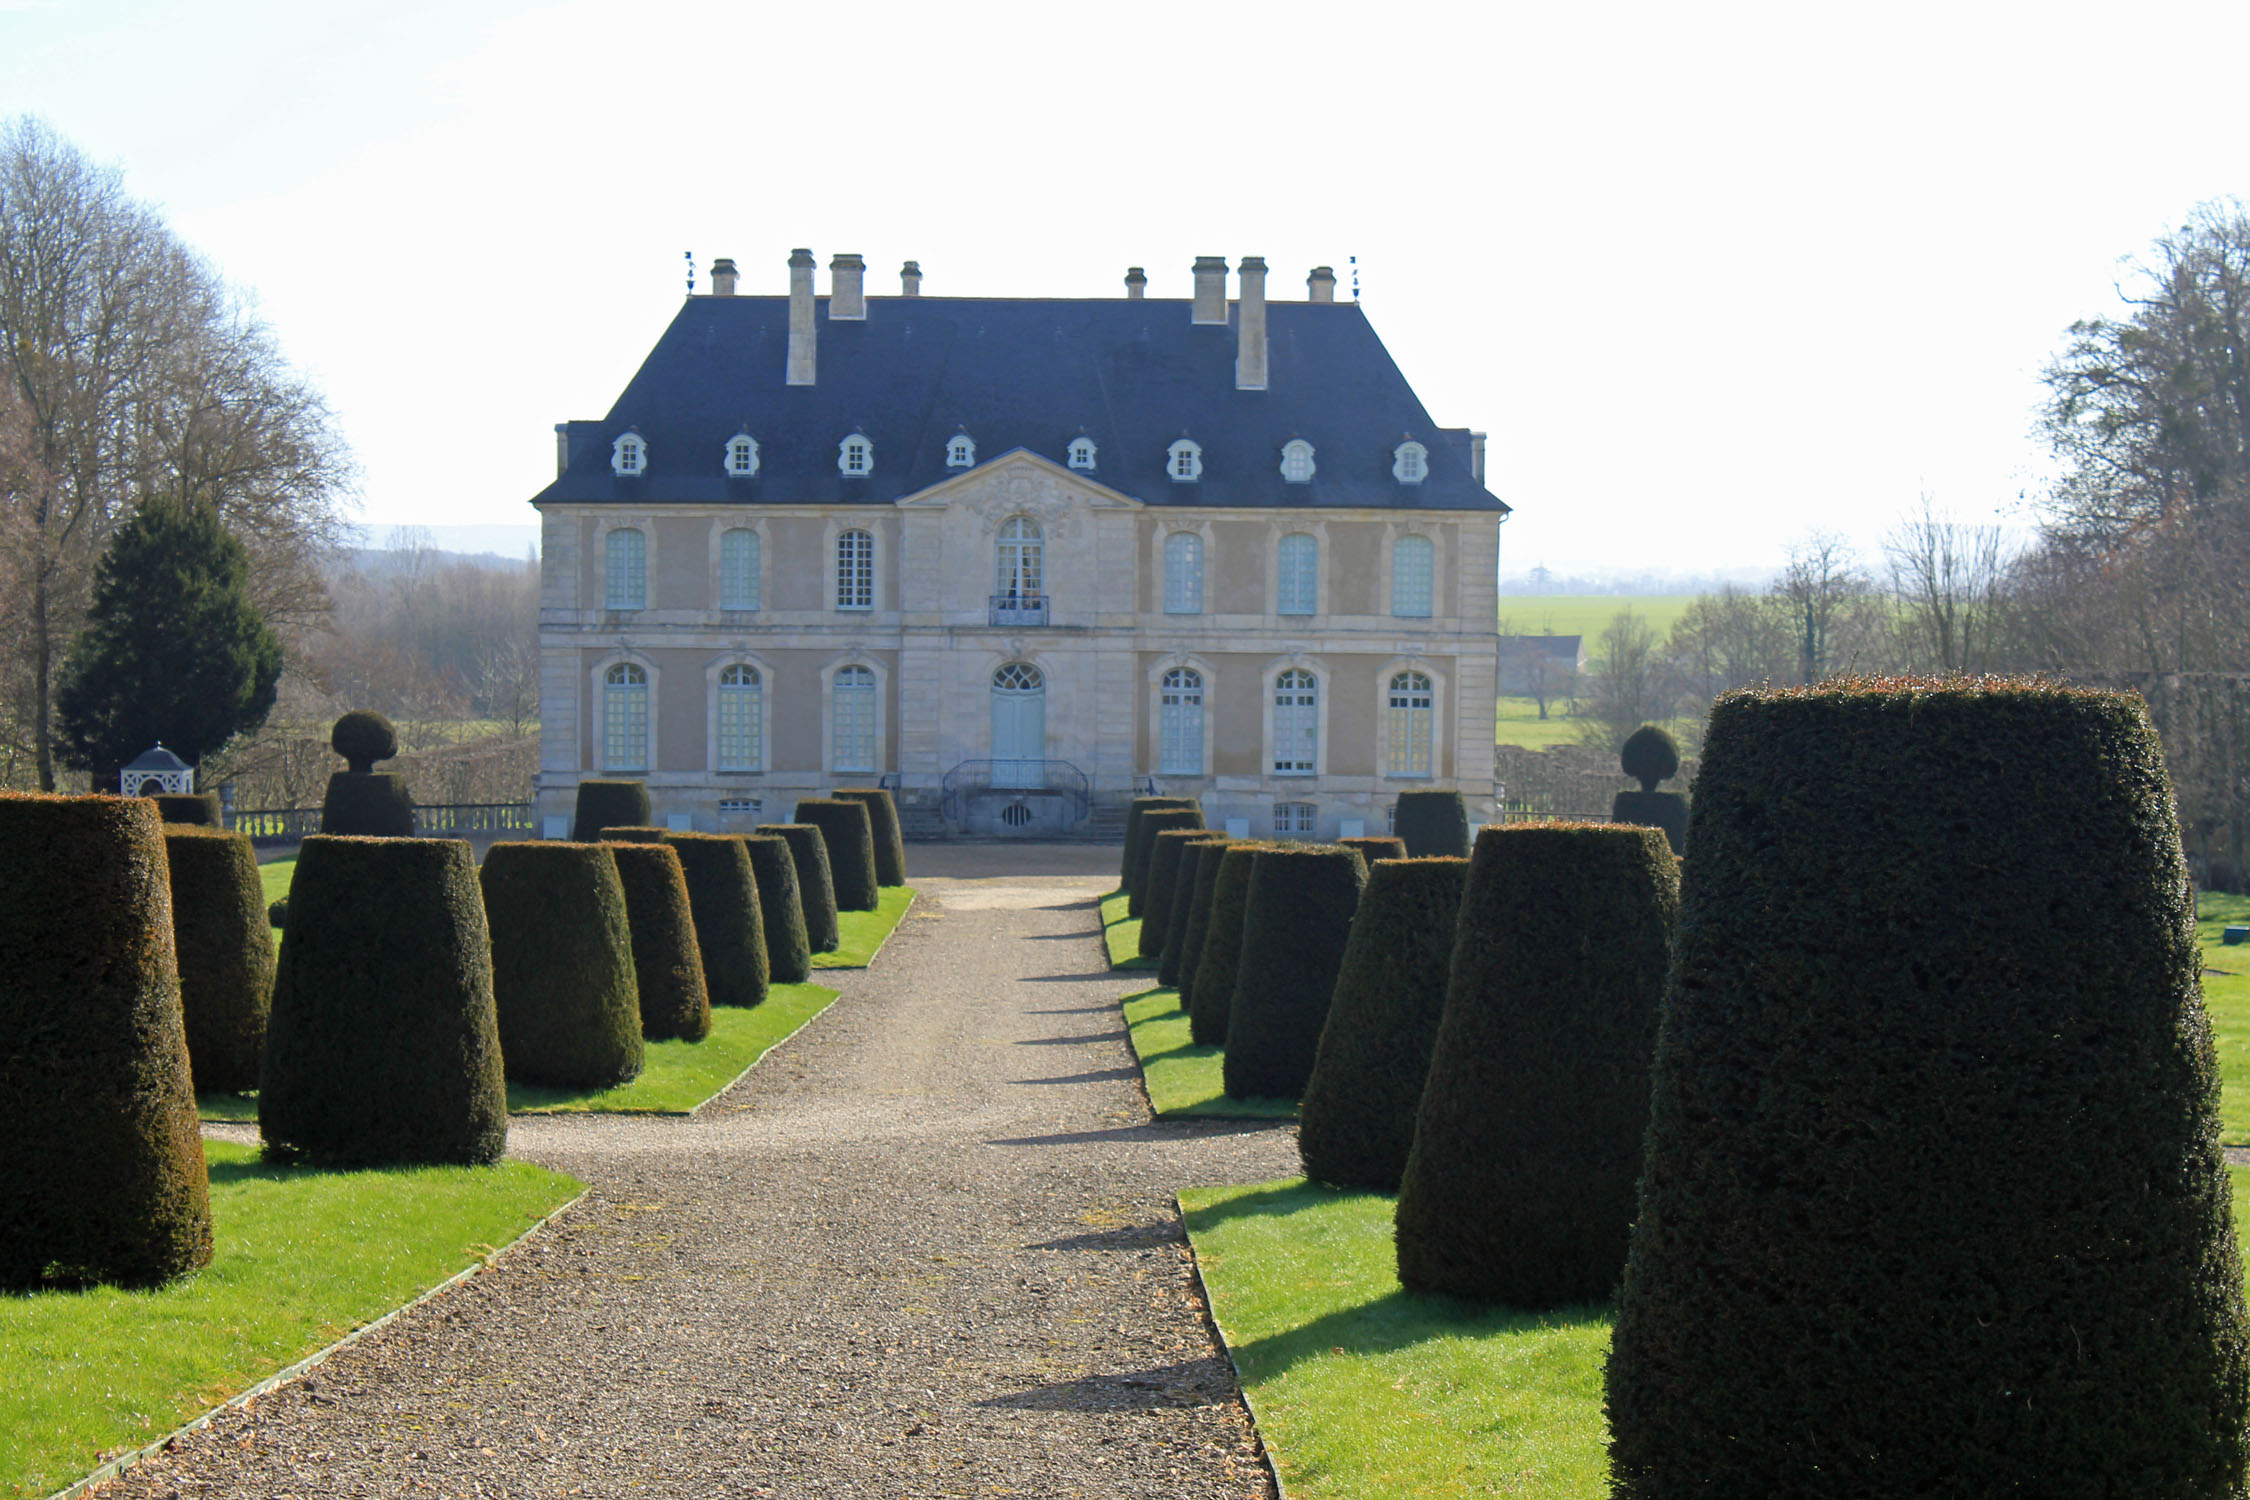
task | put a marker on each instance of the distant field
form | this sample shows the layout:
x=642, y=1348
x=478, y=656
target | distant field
x=1586, y=614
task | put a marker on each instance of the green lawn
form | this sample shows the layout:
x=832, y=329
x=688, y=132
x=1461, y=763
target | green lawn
x=865, y=932
x=1183, y=1080
x=277, y=876
x=2226, y=995
x=1516, y=721
x=1587, y=615
x=303, y=1257
x=1121, y=934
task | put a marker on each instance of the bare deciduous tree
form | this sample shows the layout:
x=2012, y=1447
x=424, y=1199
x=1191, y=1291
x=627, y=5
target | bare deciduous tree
x=1947, y=578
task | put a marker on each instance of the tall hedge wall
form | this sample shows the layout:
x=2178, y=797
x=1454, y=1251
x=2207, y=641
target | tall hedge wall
x=102, y=1178
x=563, y=985
x=367, y=804
x=1193, y=852
x=1163, y=876
x=1202, y=896
x=632, y=833
x=1934, y=1201
x=1294, y=927
x=1357, y=1121
x=667, y=964
x=1135, y=869
x=1211, y=1003
x=383, y=1047
x=730, y=926
x=816, y=883
x=851, y=849
x=225, y=947
x=782, y=905
x=1432, y=822
x=1528, y=1143
x=200, y=809
x=1155, y=820
x=1375, y=846
x=890, y=838
x=608, y=804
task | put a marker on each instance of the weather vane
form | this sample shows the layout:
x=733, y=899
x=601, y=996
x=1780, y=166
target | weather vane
x=1355, y=277
x=689, y=257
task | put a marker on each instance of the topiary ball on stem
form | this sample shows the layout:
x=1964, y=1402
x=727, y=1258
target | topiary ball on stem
x=226, y=953
x=563, y=985
x=1163, y=876
x=1201, y=899
x=675, y=1005
x=890, y=839
x=1154, y=821
x=1650, y=756
x=608, y=804
x=730, y=927
x=1357, y=1123
x=851, y=849
x=1527, y=1144
x=1294, y=926
x=1192, y=854
x=1432, y=822
x=782, y=904
x=1934, y=1200
x=1135, y=864
x=816, y=885
x=1211, y=1002
x=362, y=738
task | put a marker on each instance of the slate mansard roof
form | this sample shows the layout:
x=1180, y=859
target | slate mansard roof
x=1135, y=375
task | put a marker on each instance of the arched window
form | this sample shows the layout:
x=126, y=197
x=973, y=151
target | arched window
x=742, y=455
x=1082, y=454
x=1297, y=575
x=1296, y=461
x=625, y=718
x=1021, y=560
x=1296, y=723
x=625, y=566
x=852, y=733
x=742, y=719
x=628, y=456
x=855, y=457
x=1180, y=724
x=739, y=567
x=1410, y=463
x=1410, y=725
x=1184, y=461
x=1183, y=574
x=1413, y=564
x=855, y=570
x=961, y=453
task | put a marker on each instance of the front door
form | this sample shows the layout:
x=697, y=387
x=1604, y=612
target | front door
x=1019, y=726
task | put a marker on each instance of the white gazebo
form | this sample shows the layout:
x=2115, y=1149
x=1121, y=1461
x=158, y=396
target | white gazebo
x=156, y=772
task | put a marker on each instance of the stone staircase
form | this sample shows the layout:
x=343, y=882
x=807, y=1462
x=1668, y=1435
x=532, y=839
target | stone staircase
x=924, y=823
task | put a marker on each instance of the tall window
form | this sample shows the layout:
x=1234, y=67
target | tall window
x=1410, y=725
x=1296, y=723
x=625, y=718
x=1180, y=724
x=739, y=550
x=1021, y=559
x=1183, y=574
x=1412, y=566
x=742, y=719
x=855, y=570
x=1297, y=586
x=625, y=555
x=852, y=735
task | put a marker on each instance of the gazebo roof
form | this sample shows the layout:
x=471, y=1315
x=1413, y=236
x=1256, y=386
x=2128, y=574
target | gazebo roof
x=157, y=758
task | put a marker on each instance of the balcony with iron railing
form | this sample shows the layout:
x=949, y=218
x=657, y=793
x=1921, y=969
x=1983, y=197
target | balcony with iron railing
x=1019, y=609
x=973, y=780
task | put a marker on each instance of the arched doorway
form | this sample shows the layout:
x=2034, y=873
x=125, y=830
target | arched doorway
x=1019, y=726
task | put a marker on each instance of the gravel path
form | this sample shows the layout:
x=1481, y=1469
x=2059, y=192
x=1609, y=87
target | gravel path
x=926, y=1249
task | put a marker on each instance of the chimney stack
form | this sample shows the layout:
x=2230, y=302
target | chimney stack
x=801, y=328
x=1250, y=331
x=847, y=289
x=1476, y=455
x=910, y=279
x=562, y=449
x=722, y=277
x=1210, y=289
x=1320, y=286
x=1136, y=283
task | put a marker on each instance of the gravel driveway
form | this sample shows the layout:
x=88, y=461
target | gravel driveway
x=927, y=1248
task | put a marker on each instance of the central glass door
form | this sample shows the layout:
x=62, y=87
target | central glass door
x=1019, y=726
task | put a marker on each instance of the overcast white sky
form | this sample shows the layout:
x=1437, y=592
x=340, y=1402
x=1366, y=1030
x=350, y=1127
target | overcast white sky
x=1711, y=276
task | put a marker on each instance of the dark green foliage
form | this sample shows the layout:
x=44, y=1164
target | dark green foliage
x=730, y=927
x=1163, y=876
x=1155, y=820
x=1934, y=1201
x=383, y=1048
x=788, y=949
x=1201, y=897
x=1373, y=847
x=667, y=964
x=196, y=809
x=890, y=841
x=1661, y=810
x=563, y=986
x=363, y=737
x=225, y=945
x=277, y=915
x=632, y=833
x=851, y=849
x=1192, y=855
x=1295, y=922
x=173, y=650
x=1649, y=756
x=368, y=804
x=1528, y=1142
x=1137, y=838
x=815, y=884
x=608, y=804
x=1432, y=822
x=1211, y=1001
x=103, y=1175
x=1357, y=1122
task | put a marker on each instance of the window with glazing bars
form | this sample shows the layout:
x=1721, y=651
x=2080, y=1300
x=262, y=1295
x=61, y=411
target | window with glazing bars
x=852, y=732
x=1412, y=568
x=1296, y=723
x=626, y=568
x=742, y=719
x=625, y=718
x=855, y=570
x=1293, y=817
x=1298, y=575
x=1180, y=724
x=1411, y=720
x=739, y=560
x=1183, y=574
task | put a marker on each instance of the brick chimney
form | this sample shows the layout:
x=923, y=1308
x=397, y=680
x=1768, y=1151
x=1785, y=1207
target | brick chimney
x=1136, y=283
x=1210, y=289
x=847, y=289
x=722, y=277
x=1250, y=327
x=801, y=326
x=1320, y=286
x=910, y=279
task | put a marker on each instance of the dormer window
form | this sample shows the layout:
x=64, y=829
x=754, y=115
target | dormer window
x=855, y=456
x=628, y=456
x=1410, y=462
x=961, y=453
x=1296, y=461
x=742, y=456
x=1185, y=462
x=1082, y=454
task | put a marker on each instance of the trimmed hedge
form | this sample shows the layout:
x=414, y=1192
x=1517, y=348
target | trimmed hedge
x=730, y=926
x=1432, y=822
x=1154, y=821
x=1201, y=897
x=1357, y=1122
x=383, y=1048
x=1294, y=926
x=563, y=985
x=782, y=905
x=1136, y=839
x=103, y=1176
x=1934, y=1201
x=608, y=804
x=632, y=833
x=1163, y=876
x=1528, y=1142
x=367, y=804
x=890, y=839
x=1375, y=846
x=668, y=981
x=1211, y=1004
x=225, y=947
x=1665, y=811
x=194, y=809
x=815, y=884
x=851, y=849
x=363, y=737
x=1192, y=855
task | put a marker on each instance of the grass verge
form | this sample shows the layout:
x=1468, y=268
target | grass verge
x=303, y=1257
x=1121, y=934
x=865, y=932
x=276, y=878
x=1184, y=1081
x=2226, y=995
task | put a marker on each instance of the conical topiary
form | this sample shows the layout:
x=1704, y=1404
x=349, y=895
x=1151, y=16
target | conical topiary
x=1649, y=756
x=383, y=1048
x=782, y=905
x=632, y=833
x=1211, y=1002
x=1357, y=1121
x=890, y=839
x=226, y=953
x=730, y=927
x=667, y=964
x=1193, y=851
x=563, y=986
x=815, y=884
x=363, y=801
x=1135, y=859
x=1528, y=1142
x=1432, y=822
x=851, y=849
x=608, y=804
x=1163, y=876
x=196, y=809
x=1294, y=927
x=1375, y=846
x=1154, y=821
x=1200, y=900
x=103, y=1178
x=1934, y=1201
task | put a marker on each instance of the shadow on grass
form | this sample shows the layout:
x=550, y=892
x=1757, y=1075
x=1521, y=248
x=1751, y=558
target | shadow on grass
x=1160, y=1129
x=1402, y=1320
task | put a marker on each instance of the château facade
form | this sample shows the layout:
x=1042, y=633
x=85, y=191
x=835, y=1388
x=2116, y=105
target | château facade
x=1019, y=559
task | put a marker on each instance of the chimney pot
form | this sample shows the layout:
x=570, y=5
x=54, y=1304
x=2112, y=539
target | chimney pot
x=1210, y=289
x=722, y=277
x=1320, y=286
x=1136, y=283
x=1250, y=327
x=802, y=330
x=562, y=448
x=910, y=279
x=847, y=289
x=1476, y=455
